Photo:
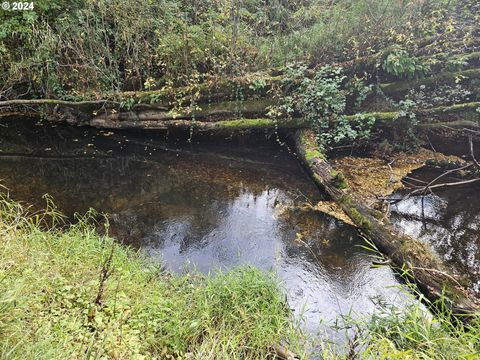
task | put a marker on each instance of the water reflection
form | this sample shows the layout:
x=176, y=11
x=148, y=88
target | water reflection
x=449, y=220
x=216, y=208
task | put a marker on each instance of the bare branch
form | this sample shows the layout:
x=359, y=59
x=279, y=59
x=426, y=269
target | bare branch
x=472, y=154
x=443, y=185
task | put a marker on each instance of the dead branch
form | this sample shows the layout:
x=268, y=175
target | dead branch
x=472, y=154
x=429, y=185
x=443, y=185
x=283, y=353
x=105, y=273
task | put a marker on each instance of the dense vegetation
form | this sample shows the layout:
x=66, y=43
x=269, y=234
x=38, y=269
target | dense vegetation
x=65, y=48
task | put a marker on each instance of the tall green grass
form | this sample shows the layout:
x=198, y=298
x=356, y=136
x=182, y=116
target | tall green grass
x=53, y=304
x=415, y=334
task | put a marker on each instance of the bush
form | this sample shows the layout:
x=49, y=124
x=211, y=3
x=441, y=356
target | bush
x=402, y=65
x=322, y=101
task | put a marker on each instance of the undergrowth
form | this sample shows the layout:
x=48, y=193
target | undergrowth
x=67, y=292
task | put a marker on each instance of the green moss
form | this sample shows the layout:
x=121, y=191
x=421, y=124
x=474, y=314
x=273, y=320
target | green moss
x=458, y=107
x=379, y=116
x=346, y=200
x=465, y=111
x=339, y=180
x=317, y=180
x=312, y=154
x=361, y=221
x=312, y=151
x=246, y=124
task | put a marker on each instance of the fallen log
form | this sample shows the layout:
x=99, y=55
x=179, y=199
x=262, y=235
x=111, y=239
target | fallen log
x=223, y=125
x=397, y=90
x=428, y=271
x=104, y=113
x=30, y=102
x=209, y=111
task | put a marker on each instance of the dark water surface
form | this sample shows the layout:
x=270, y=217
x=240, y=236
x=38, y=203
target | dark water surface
x=203, y=206
x=449, y=219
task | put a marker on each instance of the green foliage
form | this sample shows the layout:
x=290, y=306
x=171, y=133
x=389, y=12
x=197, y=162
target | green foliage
x=53, y=304
x=322, y=101
x=401, y=64
x=358, y=90
x=318, y=98
x=67, y=48
x=405, y=135
x=257, y=84
x=439, y=96
x=127, y=103
x=413, y=333
x=347, y=29
x=456, y=64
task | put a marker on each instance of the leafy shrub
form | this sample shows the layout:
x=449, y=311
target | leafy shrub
x=66, y=48
x=402, y=65
x=405, y=136
x=322, y=100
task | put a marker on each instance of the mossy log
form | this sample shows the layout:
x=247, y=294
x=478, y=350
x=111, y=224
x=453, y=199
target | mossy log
x=440, y=60
x=466, y=112
x=458, y=115
x=213, y=115
x=231, y=89
x=211, y=111
x=221, y=125
x=397, y=90
x=227, y=115
x=13, y=113
x=428, y=271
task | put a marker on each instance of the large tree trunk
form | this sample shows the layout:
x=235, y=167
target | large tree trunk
x=428, y=271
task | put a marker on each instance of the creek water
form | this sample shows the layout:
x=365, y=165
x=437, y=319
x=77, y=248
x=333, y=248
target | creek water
x=204, y=205
x=448, y=219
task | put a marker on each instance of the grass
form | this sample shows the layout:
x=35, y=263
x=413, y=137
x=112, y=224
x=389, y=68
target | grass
x=415, y=334
x=53, y=304
x=408, y=334
x=67, y=292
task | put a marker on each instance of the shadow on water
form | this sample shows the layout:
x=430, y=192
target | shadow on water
x=448, y=219
x=204, y=207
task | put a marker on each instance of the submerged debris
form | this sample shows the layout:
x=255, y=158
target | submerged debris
x=374, y=178
x=330, y=208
